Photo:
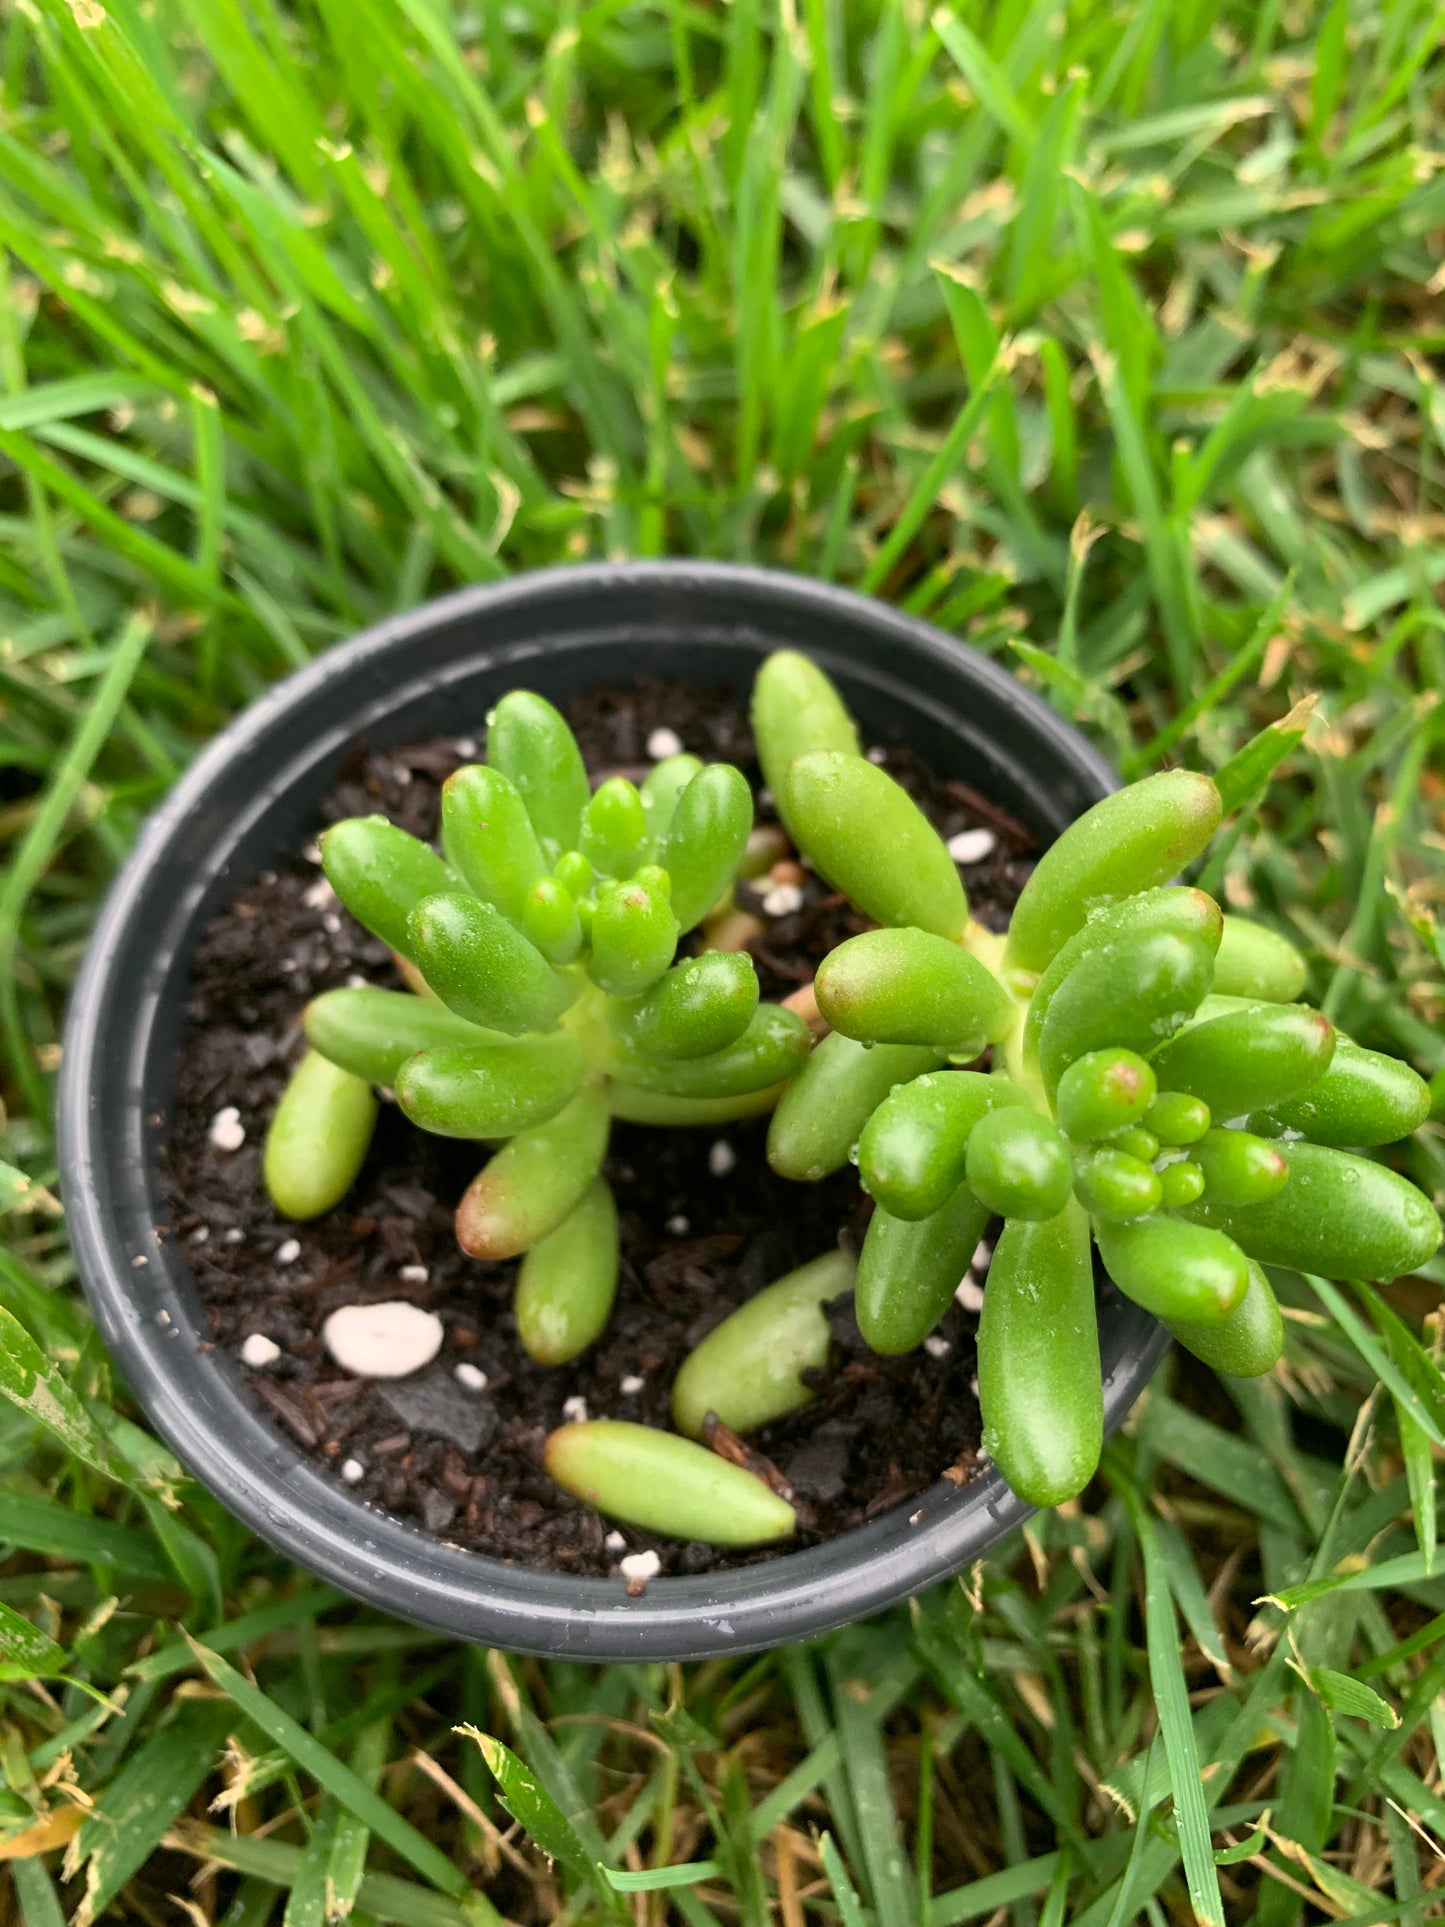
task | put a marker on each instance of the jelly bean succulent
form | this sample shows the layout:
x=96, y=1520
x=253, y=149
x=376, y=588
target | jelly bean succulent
x=1155, y=1090
x=545, y=1000
x=1127, y=1072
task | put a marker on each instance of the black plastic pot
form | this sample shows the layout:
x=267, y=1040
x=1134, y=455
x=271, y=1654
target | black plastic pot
x=253, y=796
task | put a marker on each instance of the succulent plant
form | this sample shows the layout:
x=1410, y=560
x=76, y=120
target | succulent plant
x=545, y=1001
x=1155, y=1090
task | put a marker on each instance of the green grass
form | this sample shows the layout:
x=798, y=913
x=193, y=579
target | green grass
x=1108, y=337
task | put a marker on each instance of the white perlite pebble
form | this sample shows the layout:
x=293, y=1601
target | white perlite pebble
x=471, y=1378
x=631, y=1385
x=971, y=846
x=982, y=1257
x=353, y=1471
x=969, y=1295
x=201, y=1234
x=615, y=1542
x=259, y=1350
x=466, y=747
x=288, y=1253
x=574, y=1410
x=319, y=895
x=783, y=900
x=877, y=754
x=663, y=743
x=227, y=1132
x=390, y=1340
x=679, y=1226
x=721, y=1158
x=640, y=1565
x=937, y=1347
x=233, y=1236
x=414, y=1274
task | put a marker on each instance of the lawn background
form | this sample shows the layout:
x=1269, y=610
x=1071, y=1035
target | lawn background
x=1106, y=336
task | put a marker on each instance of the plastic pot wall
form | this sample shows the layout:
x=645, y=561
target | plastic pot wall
x=252, y=797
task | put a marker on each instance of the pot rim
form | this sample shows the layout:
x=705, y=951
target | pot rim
x=263, y=1477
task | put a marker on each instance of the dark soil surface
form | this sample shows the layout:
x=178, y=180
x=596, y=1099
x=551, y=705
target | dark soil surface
x=705, y=1223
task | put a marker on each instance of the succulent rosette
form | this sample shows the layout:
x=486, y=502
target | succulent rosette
x=539, y=943
x=1155, y=1090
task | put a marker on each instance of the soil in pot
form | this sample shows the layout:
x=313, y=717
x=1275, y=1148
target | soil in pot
x=705, y=1223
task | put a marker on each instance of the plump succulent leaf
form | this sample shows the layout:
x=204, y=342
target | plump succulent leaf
x=1254, y=962
x=574, y=873
x=1175, y=1268
x=1018, y=1164
x=1134, y=992
x=773, y=1046
x=1138, y=1142
x=529, y=742
x=1115, y=1185
x=1339, y=1215
x=747, y=1368
x=1239, y=1168
x=666, y=1484
x=913, y=1150
x=1177, y=1118
x=371, y=1032
x=1180, y=1183
x=706, y=839
x=1248, y=1059
x=662, y=786
x=1104, y=1092
x=1247, y=1343
x=535, y=1181
x=698, y=1007
x=319, y=1136
x=488, y=838
x=1039, y=1384
x=381, y=873
x=911, y=987
x=614, y=828
x=550, y=921
x=483, y=968
x=910, y=1268
x=1131, y=841
x=796, y=709
x=821, y=1115
x=568, y=1280
x=1364, y=1098
x=869, y=839
x=1172, y=908
x=634, y=935
x=490, y=1090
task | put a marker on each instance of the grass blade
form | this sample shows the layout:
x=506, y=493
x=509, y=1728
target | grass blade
x=1171, y=1698
x=121, y=1832
x=338, y=1779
